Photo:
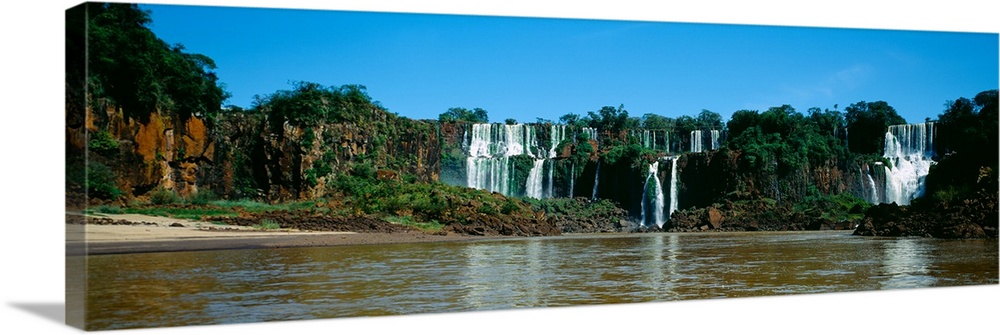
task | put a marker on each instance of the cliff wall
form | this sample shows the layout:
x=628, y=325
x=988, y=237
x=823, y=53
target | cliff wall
x=244, y=155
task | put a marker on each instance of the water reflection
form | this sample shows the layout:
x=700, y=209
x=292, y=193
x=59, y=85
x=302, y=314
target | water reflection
x=184, y=288
x=906, y=263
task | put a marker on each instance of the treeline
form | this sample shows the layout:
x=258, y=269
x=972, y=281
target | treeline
x=112, y=54
x=968, y=146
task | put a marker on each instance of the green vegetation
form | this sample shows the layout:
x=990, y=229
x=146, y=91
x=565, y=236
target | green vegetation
x=163, y=196
x=128, y=66
x=867, y=122
x=475, y=115
x=837, y=208
x=781, y=140
x=103, y=143
x=267, y=224
x=967, y=139
x=431, y=226
x=310, y=104
x=100, y=181
x=571, y=207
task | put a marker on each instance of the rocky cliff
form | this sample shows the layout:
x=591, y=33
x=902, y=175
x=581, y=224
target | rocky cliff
x=243, y=154
x=159, y=149
x=285, y=162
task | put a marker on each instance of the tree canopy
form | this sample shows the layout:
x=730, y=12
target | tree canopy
x=967, y=137
x=475, y=115
x=128, y=66
x=866, y=126
x=784, y=139
x=308, y=104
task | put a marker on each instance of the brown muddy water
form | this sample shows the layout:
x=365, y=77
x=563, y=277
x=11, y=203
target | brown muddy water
x=235, y=286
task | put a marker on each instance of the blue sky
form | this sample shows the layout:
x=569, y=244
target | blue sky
x=419, y=65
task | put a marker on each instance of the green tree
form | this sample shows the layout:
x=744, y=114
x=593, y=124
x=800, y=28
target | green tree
x=654, y=121
x=609, y=118
x=967, y=135
x=475, y=115
x=571, y=119
x=867, y=123
x=130, y=67
x=709, y=120
x=309, y=104
x=741, y=121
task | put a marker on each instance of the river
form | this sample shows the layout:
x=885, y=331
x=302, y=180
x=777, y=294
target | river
x=235, y=286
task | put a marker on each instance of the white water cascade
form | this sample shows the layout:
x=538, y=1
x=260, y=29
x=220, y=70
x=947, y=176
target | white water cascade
x=597, y=179
x=715, y=139
x=696, y=141
x=872, y=190
x=673, y=185
x=572, y=179
x=591, y=133
x=533, y=186
x=488, y=165
x=557, y=133
x=909, y=148
x=657, y=203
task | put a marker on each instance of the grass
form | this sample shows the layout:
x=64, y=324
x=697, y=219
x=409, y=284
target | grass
x=257, y=206
x=223, y=208
x=181, y=213
x=105, y=209
x=432, y=226
x=267, y=224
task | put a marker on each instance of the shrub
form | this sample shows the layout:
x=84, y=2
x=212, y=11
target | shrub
x=266, y=224
x=202, y=197
x=103, y=143
x=509, y=207
x=487, y=209
x=101, y=182
x=162, y=196
x=363, y=170
x=108, y=209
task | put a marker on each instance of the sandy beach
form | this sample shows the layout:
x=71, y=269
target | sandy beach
x=135, y=233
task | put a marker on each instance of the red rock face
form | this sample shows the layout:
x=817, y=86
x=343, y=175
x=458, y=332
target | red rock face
x=154, y=151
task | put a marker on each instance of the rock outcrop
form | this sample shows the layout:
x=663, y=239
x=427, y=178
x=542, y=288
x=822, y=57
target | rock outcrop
x=158, y=149
x=759, y=215
x=969, y=218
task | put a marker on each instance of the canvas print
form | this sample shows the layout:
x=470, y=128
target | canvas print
x=234, y=165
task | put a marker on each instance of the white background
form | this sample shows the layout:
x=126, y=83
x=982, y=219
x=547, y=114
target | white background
x=31, y=126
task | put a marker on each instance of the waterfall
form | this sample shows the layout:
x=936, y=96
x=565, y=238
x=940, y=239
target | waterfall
x=868, y=189
x=597, y=175
x=557, y=133
x=550, y=190
x=673, y=185
x=490, y=147
x=871, y=186
x=488, y=165
x=591, y=133
x=909, y=148
x=666, y=141
x=715, y=139
x=696, y=141
x=572, y=179
x=658, y=202
x=533, y=187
